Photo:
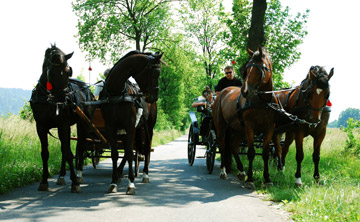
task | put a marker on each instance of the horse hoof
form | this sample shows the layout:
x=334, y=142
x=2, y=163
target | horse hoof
x=298, y=182
x=43, y=187
x=130, y=191
x=298, y=185
x=75, y=189
x=61, y=181
x=241, y=176
x=118, y=181
x=223, y=176
x=80, y=180
x=269, y=184
x=250, y=185
x=146, y=180
x=112, y=188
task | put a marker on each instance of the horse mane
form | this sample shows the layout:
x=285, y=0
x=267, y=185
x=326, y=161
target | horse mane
x=133, y=52
x=321, y=80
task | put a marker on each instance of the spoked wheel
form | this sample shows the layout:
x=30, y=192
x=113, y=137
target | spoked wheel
x=191, y=146
x=211, y=152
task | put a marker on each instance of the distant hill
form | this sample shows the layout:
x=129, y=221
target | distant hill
x=12, y=100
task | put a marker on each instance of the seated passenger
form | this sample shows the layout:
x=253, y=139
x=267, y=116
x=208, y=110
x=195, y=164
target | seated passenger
x=99, y=86
x=205, y=100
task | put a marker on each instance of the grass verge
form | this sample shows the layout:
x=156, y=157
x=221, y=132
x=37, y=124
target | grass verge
x=335, y=198
x=20, y=152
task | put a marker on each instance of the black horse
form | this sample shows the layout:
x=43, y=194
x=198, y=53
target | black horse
x=52, y=102
x=120, y=110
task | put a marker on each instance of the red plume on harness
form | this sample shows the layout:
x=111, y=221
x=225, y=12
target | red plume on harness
x=328, y=103
x=48, y=86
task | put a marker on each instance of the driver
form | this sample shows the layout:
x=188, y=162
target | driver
x=228, y=80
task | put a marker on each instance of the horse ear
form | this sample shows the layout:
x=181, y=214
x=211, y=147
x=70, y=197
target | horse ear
x=68, y=56
x=250, y=52
x=260, y=51
x=312, y=74
x=158, y=56
x=331, y=74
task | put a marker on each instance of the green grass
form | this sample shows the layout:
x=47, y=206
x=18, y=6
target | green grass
x=335, y=198
x=20, y=152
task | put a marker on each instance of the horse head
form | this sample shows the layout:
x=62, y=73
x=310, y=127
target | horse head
x=57, y=71
x=148, y=79
x=258, y=74
x=316, y=91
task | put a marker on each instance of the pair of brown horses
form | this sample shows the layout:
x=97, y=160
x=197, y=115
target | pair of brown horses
x=241, y=113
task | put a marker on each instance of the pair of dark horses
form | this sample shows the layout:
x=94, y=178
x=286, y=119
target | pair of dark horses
x=241, y=113
x=56, y=95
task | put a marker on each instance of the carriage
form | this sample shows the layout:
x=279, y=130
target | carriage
x=97, y=145
x=202, y=133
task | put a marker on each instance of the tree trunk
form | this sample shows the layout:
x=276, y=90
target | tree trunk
x=256, y=32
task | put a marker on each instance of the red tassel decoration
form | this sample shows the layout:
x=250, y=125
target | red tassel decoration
x=328, y=103
x=48, y=86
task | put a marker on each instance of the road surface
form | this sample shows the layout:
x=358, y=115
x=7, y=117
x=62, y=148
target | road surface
x=176, y=192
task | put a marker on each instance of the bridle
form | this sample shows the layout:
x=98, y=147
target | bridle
x=263, y=68
x=304, y=92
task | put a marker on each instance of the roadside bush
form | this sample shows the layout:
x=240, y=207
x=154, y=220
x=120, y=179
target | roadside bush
x=353, y=140
x=26, y=112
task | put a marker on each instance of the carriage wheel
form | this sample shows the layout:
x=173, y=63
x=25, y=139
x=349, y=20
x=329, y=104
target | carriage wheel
x=191, y=146
x=210, y=153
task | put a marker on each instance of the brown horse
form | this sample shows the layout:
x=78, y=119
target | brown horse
x=308, y=103
x=239, y=114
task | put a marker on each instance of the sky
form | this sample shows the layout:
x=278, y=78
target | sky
x=29, y=27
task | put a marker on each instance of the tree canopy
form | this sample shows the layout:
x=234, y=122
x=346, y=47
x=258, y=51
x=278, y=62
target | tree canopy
x=196, y=47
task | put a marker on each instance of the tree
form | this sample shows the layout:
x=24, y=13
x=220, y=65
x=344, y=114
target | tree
x=282, y=34
x=347, y=114
x=111, y=27
x=179, y=82
x=256, y=32
x=201, y=20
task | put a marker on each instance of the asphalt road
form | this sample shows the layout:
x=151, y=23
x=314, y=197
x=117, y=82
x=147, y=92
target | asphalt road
x=176, y=192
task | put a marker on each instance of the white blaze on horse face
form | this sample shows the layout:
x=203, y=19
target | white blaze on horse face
x=318, y=91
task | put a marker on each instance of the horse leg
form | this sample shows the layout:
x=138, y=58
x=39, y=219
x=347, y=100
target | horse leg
x=278, y=151
x=130, y=156
x=265, y=157
x=316, y=154
x=221, y=140
x=114, y=157
x=80, y=151
x=299, y=138
x=249, y=183
x=120, y=169
x=235, y=141
x=42, y=133
x=146, y=178
x=289, y=138
x=64, y=136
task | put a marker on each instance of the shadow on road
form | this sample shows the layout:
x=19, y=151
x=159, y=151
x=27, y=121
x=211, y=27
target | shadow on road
x=173, y=184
